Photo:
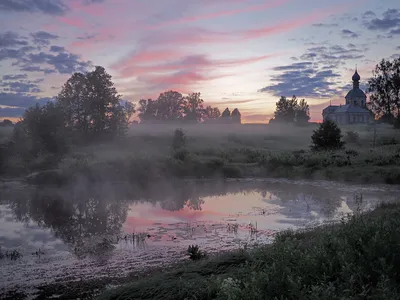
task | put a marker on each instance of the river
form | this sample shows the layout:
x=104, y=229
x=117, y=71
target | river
x=112, y=230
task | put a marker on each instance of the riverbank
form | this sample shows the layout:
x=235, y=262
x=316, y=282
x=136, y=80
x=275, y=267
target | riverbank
x=148, y=154
x=380, y=165
x=357, y=258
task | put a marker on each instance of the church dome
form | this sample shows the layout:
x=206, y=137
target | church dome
x=356, y=93
x=356, y=76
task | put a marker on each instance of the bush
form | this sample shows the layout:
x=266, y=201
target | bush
x=41, y=131
x=352, y=137
x=327, y=137
x=179, y=139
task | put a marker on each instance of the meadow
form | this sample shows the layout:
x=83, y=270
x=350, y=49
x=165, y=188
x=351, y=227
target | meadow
x=371, y=155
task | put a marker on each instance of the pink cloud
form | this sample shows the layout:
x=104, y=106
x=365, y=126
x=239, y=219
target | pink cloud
x=287, y=26
x=224, y=13
x=148, y=56
x=133, y=66
x=182, y=81
x=77, y=22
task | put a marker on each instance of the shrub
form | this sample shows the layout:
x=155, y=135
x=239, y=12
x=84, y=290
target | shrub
x=179, y=140
x=351, y=137
x=327, y=137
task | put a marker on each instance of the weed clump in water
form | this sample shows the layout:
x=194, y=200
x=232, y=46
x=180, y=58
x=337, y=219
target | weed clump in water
x=195, y=253
x=13, y=255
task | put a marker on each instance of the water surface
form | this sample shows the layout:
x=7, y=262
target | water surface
x=91, y=231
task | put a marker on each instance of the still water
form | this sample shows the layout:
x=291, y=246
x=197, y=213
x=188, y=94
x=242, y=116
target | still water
x=91, y=231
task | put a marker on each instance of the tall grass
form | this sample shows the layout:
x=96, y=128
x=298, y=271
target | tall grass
x=357, y=259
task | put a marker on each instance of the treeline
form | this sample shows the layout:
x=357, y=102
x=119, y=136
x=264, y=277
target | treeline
x=173, y=107
x=89, y=108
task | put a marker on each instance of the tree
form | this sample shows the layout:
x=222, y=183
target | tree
x=6, y=123
x=286, y=110
x=384, y=90
x=226, y=116
x=291, y=111
x=327, y=137
x=40, y=130
x=193, y=108
x=236, y=116
x=170, y=106
x=212, y=112
x=92, y=106
x=147, y=110
x=302, y=113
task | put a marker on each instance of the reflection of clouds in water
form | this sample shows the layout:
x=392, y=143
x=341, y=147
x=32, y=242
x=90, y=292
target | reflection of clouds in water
x=26, y=237
x=81, y=217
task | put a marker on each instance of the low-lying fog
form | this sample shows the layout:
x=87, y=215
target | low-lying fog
x=90, y=231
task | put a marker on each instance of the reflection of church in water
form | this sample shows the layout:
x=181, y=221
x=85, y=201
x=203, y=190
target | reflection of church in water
x=354, y=111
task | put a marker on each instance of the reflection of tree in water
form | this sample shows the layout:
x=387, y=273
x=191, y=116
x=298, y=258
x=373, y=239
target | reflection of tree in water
x=90, y=215
x=301, y=199
x=88, y=218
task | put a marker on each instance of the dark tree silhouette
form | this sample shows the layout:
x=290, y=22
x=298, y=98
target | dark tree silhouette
x=327, y=137
x=292, y=111
x=384, y=90
x=169, y=107
x=212, y=112
x=6, y=123
x=236, y=116
x=92, y=105
x=193, y=108
x=226, y=116
x=285, y=110
x=302, y=115
x=40, y=130
x=147, y=110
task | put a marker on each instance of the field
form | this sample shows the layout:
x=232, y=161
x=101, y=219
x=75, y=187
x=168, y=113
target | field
x=357, y=259
x=229, y=151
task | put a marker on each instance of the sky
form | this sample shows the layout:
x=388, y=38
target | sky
x=241, y=54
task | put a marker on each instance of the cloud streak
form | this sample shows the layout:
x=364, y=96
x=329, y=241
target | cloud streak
x=224, y=13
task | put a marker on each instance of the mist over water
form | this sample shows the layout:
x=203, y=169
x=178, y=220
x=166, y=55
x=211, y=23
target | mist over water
x=94, y=230
x=90, y=231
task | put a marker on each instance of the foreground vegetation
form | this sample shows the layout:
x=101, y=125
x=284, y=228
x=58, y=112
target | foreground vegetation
x=356, y=259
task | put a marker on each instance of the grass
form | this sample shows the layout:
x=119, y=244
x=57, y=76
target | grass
x=356, y=259
x=148, y=154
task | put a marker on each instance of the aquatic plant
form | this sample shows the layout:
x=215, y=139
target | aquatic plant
x=233, y=227
x=13, y=255
x=195, y=253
